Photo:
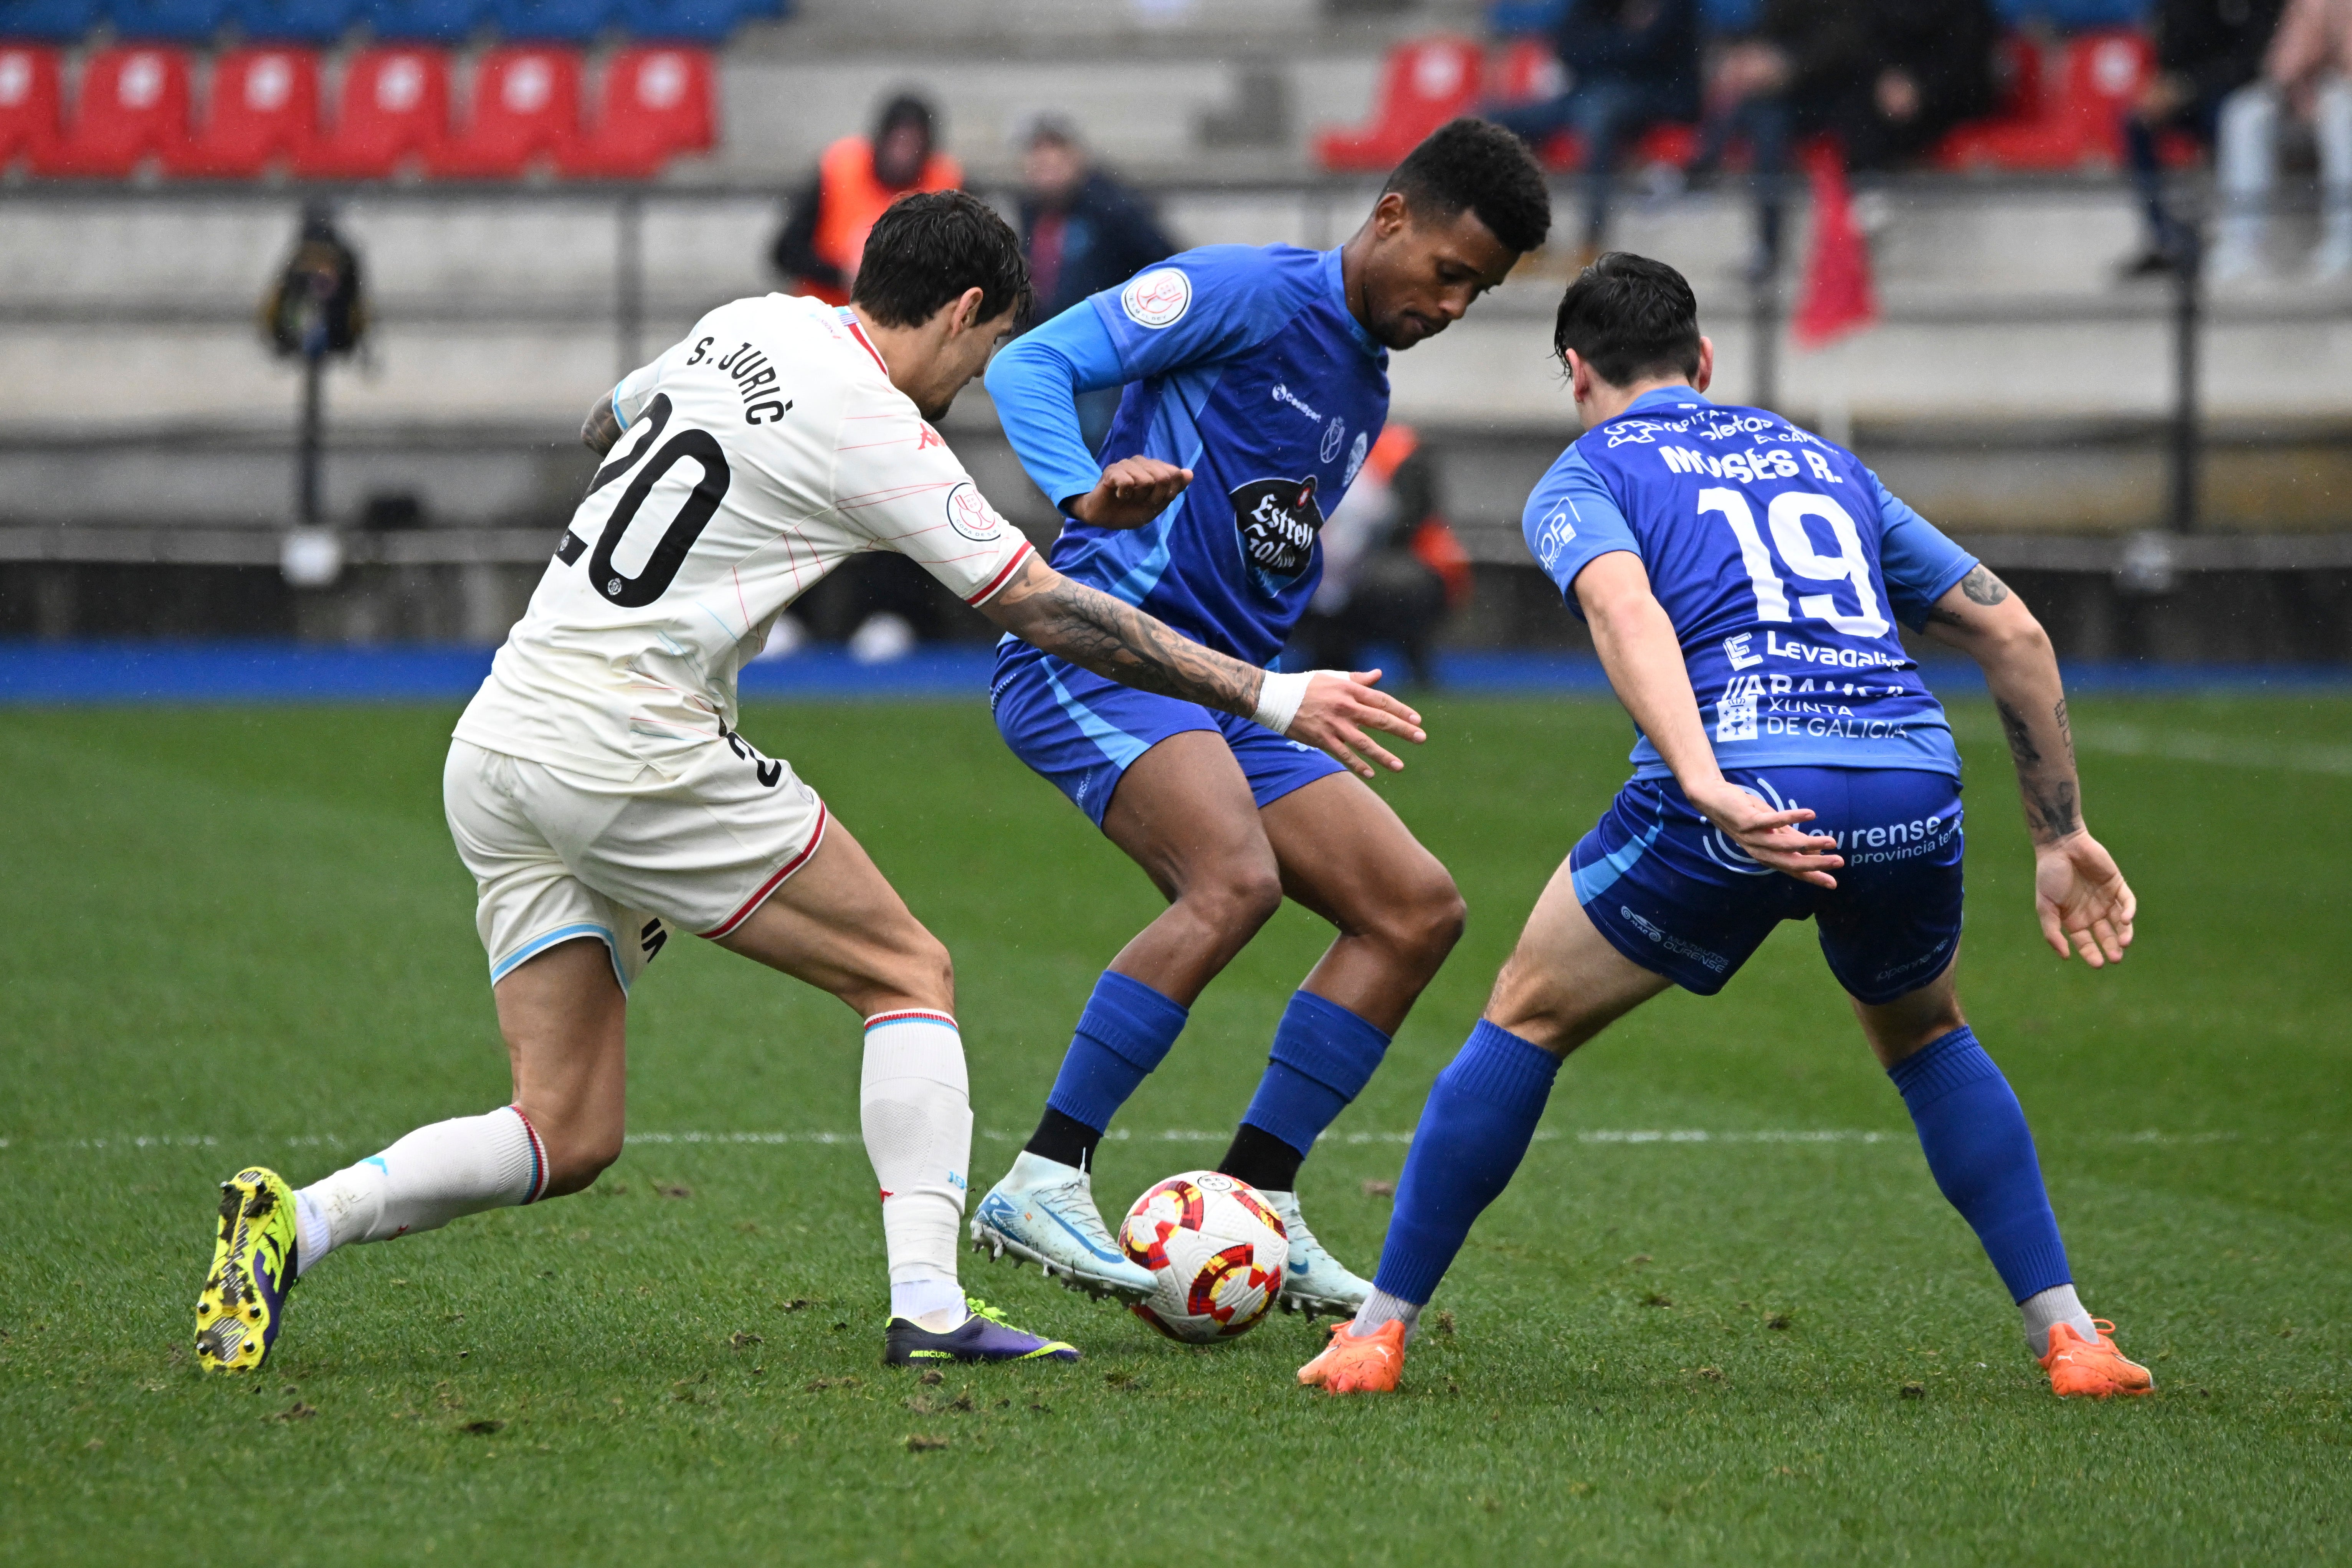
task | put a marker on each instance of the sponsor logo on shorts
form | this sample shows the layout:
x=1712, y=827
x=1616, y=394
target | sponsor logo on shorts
x=1157, y=298
x=970, y=514
x=768, y=773
x=651, y=939
x=1672, y=944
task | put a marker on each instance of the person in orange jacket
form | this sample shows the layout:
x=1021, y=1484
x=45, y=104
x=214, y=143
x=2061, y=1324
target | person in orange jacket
x=855, y=179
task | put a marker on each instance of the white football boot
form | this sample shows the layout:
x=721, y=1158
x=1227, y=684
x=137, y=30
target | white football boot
x=1043, y=1212
x=1315, y=1282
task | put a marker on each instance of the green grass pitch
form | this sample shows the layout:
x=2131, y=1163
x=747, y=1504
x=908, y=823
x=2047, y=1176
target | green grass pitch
x=242, y=935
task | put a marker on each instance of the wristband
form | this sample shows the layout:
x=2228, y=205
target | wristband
x=1278, y=700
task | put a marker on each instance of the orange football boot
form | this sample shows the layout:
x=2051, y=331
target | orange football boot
x=1351, y=1364
x=2089, y=1369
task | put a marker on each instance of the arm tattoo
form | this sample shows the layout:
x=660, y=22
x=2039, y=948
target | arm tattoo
x=2052, y=811
x=600, y=428
x=1097, y=632
x=2066, y=730
x=2020, y=738
x=1982, y=587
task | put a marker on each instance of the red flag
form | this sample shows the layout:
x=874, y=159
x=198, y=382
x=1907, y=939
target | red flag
x=1837, y=297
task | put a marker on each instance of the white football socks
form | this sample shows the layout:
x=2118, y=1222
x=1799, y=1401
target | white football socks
x=2059, y=1304
x=421, y=1183
x=1380, y=1307
x=915, y=1107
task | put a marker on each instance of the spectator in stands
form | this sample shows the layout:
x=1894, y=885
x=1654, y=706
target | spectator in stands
x=2206, y=52
x=2307, y=73
x=1886, y=80
x=1391, y=565
x=1081, y=232
x=824, y=234
x=1628, y=64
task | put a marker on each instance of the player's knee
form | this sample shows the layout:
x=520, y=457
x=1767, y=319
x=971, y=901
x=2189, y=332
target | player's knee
x=1242, y=895
x=1422, y=921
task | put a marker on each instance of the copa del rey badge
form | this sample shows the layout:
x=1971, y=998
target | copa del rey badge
x=970, y=514
x=1157, y=298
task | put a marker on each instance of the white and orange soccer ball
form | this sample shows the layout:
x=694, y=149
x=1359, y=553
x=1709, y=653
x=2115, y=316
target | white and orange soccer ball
x=1217, y=1249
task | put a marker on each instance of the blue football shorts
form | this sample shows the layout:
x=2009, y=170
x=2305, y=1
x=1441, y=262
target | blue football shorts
x=1082, y=731
x=1671, y=892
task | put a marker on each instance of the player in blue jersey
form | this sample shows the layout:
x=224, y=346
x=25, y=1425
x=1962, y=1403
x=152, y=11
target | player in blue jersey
x=1257, y=380
x=1742, y=579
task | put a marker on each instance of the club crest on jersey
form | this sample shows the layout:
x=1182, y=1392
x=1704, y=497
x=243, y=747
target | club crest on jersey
x=1356, y=456
x=1277, y=520
x=970, y=514
x=1333, y=433
x=1157, y=298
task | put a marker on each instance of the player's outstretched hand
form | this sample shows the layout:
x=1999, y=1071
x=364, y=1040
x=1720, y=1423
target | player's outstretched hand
x=1130, y=493
x=1770, y=837
x=2082, y=898
x=1340, y=707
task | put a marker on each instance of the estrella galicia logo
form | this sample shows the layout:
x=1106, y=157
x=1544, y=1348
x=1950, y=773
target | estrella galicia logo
x=1277, y=520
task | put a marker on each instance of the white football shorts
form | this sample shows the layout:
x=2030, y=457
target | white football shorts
x=556, y=854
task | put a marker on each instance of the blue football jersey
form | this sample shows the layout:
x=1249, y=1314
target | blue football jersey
x=1244, y=365
x=1783, y=564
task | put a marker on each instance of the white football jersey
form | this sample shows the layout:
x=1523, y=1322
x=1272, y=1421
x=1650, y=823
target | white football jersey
x=756, y=456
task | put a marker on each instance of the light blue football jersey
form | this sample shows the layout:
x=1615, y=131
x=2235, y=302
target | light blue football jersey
x=1784, y=564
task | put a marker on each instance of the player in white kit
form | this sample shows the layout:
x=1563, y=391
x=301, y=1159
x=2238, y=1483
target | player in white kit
x=601, y=795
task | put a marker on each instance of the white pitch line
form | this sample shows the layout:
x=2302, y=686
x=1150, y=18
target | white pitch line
x=1593, y=1136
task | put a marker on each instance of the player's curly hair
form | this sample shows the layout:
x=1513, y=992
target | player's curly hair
x=926, y=248
x=1478, y=164
x=1630, y=318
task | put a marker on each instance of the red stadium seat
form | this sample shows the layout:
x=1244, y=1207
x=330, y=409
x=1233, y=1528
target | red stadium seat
x=657, y=103
x=30, y=102
x=526, y=108
x=2077, y=125
x=132, y=106
x=263, y=110
x=394, y=107
x=1428, y=82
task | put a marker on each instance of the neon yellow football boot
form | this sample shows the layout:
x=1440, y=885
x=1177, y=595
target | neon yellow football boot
x=244, y=1301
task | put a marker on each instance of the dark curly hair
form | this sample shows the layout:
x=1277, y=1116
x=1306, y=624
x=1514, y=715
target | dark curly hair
x=1630, y=318
x=1478, y=164
x=929, y=247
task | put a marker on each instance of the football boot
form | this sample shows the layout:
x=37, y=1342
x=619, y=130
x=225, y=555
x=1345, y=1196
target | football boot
x=244, y=1301
x=2091, y=1369
x=1043, y=1212
x=1314, y=1280
x=983, y=1336
x=1349, y=1365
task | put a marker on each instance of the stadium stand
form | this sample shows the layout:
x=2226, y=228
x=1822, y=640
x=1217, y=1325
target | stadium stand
x=320, y=22
x=2077, y=123
x=132, y=106
x=263, y=111
x=552, y=21
x=657, y=103
x=48, y=21
x=394, y=110
x=31, y=102
x=168, y=21
x=680, y=21
x=526, y=108
x=426, y=21
x=1428, y=81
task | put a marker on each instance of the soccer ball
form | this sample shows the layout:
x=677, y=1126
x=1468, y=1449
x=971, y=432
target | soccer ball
x=1217, y=1250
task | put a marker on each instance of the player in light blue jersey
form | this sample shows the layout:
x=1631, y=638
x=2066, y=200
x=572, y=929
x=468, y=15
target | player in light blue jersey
x=1256, y=381
x=1743, y=578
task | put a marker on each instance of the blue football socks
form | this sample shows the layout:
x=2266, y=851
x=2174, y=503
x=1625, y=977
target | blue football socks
x=1323, y=1056
x=1124, y=1033
x=1474, y=1132
x=1974, y=1134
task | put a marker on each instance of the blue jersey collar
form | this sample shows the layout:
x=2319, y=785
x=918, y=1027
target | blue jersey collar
x=1667, y=397
x=1334, y=279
